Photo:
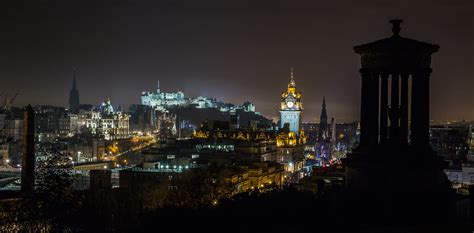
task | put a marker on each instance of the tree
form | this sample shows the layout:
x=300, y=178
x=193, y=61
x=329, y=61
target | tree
x=53, y=204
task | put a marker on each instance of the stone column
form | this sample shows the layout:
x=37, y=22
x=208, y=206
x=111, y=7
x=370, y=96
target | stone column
x=394, y=109
x=420, y=109
x=374, y=109
x=384, y=108
x=369, y=114
x=404, y=109
x=364, y=109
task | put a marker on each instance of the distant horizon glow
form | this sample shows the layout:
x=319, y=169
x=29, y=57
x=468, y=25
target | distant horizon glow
x=233, y=52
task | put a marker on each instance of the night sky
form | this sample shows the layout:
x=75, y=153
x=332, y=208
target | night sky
x=232, y=50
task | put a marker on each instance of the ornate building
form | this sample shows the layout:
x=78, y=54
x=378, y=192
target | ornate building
x=105, y=121
x=291, y=107
x=250, y=141
x=325, y=143
x=291, y=138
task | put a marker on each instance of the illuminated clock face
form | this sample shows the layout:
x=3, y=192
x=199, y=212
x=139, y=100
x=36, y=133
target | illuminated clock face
x=290, y=104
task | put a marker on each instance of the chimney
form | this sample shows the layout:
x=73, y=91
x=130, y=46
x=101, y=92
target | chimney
x=28, y=159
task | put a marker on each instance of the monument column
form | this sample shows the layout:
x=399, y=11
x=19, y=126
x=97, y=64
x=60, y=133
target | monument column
x=383, y=108
x=420, y=109
x=394, y=109
x=374, y=109
x=404, y=109
x=364, y=109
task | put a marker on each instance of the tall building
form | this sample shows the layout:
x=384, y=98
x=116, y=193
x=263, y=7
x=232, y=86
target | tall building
x=291, y=107
x=323, y=119
x=142, y=118
x=324, y=145
x=106, y=121
x=74, y=97
x=291, y=137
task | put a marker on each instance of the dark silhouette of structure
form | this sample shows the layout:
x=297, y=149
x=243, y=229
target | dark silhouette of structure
x=323, y=122
x=74, y=97
x=28, y=159
x=395, y=171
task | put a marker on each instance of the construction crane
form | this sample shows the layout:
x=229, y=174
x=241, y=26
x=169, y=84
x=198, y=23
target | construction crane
x=9, y=101
x=6, y=110
x=5, y=137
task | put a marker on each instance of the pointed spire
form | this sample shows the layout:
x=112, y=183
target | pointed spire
x=323, y=121
x=323, y=109
x=74, y=86
x=292, y=79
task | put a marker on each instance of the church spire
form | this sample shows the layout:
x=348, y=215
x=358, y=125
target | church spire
x=74, y=95
x=323, y=119
x=323, y=109
x=74, y=86
x=324, y=103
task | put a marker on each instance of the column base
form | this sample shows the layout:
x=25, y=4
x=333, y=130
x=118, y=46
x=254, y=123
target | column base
x=399, y=184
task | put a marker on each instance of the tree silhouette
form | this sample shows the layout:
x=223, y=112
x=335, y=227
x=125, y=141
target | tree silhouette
x=52, y=205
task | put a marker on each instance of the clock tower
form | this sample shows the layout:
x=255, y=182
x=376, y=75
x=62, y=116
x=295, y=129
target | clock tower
x=291, y=107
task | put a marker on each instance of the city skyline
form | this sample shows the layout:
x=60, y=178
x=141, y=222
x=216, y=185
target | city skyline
x=122, y=49
x=131, y=116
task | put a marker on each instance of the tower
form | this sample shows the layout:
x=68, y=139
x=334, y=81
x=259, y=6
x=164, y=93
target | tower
x=419, y=185
x=74, y=96
x=158, y=87
x=323, y=119
x=291, y=107
x=28, y=158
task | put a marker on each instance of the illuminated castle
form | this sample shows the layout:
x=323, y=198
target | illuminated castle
x=291, y=107
x=162, y=101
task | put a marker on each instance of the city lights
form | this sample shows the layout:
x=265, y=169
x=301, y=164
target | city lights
x=133, y=116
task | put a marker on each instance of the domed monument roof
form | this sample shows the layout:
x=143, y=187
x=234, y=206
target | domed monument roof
x=396, y=53
x=396, y=43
